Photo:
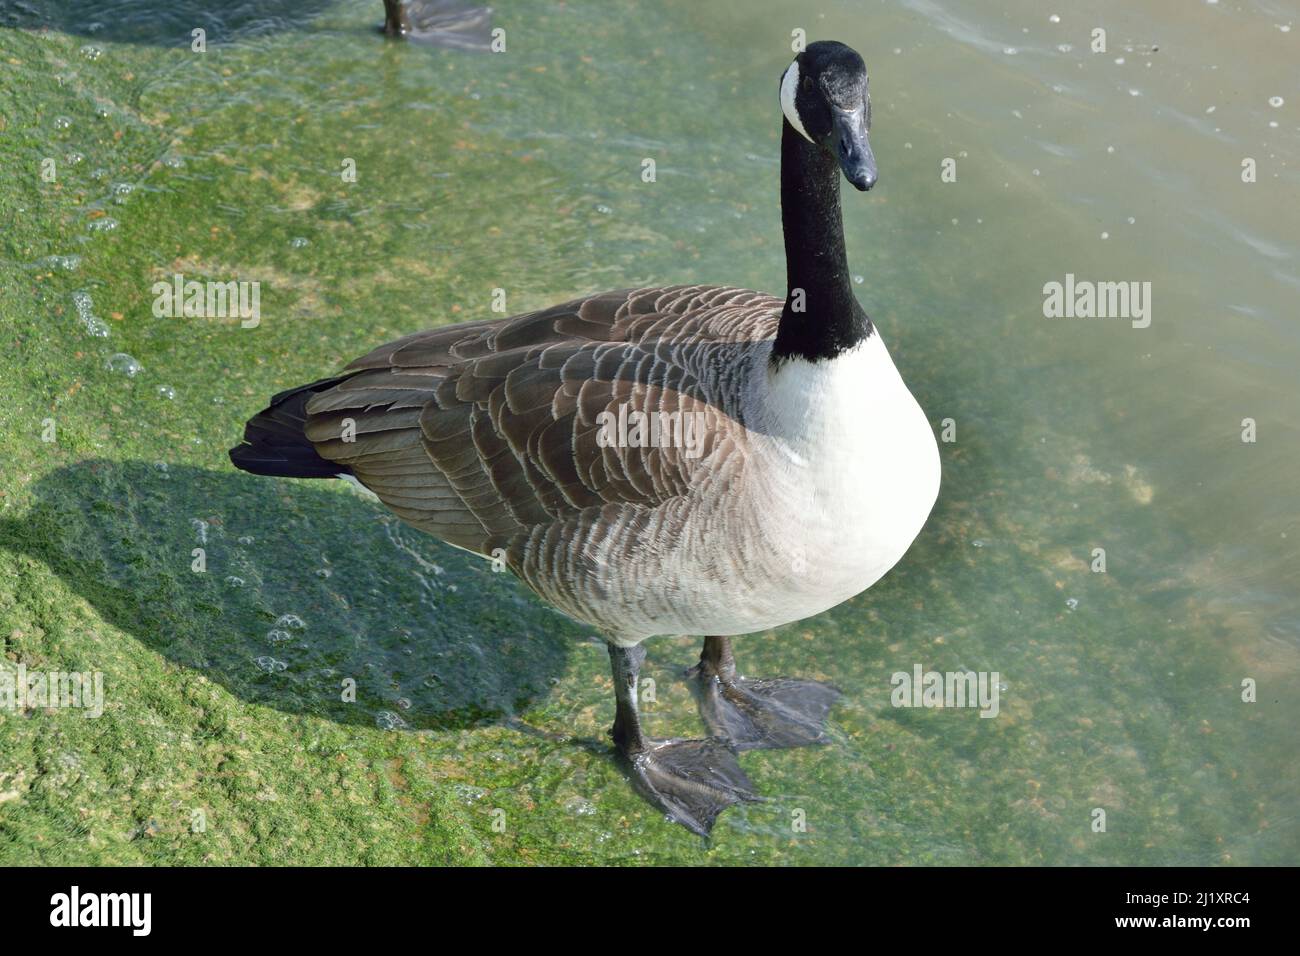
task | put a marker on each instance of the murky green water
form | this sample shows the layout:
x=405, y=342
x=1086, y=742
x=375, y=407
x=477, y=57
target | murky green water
x=522, y=171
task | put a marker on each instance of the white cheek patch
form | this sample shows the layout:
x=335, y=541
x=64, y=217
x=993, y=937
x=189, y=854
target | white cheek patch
x=789, y=87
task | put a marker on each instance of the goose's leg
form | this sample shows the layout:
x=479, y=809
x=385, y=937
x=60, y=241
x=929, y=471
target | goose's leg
x=754, y=713
x=690, y=780
x=442, y=22
x=397, y=22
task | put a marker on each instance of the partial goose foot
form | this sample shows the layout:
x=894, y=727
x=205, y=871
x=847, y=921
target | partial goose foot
x=692, y=781
x=447, y=23
x=755, y=714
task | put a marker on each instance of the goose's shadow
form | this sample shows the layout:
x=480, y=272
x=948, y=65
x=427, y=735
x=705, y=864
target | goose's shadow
x=170, y=23
x=163, y=23
x=285, y=592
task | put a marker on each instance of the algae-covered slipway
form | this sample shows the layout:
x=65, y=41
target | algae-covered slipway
x=478, y=730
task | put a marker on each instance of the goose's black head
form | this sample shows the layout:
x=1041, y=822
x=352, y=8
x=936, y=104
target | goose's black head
x=825, y=99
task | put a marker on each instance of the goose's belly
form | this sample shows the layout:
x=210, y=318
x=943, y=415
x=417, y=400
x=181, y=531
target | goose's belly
x=844, y=522
x=812, y=534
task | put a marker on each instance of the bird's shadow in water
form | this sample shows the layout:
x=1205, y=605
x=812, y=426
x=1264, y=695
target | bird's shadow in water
x=159, y=23
x=171, y=24
x=298, y=590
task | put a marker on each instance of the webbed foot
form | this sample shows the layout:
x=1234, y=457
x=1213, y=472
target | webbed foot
x=692, y=781
x=755, y=713
x=447, y=23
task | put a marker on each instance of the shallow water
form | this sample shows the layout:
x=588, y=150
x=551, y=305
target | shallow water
x=522, y=171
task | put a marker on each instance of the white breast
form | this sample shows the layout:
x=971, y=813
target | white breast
x=848, y=474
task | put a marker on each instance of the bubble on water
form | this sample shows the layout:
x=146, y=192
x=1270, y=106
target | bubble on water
x=1105, y=235
x=1072, y=603
x=1054, y=18
x=234, y=581
x=271, y=665
x=200, y=529
x=99, y=173
x=1134, y=92
x=278, y=636
x=323, y=572
x=160, y=465
x=1065, y=47
x=404, y=703
x=172, y=161
x=103, y=224
x=126, y=364
x=580, y=807
x=1131, y=220
x=167, y=392
x=103, y=110
x=291, y=622
x=977, y=543
x=246, y=539
x=1119, y=61
x=73, y=158
x=1010, y=51
x=603, y=209
x=92, y=52
x=63, y=122
x=298, y=242
x=1276, y=102
x=62, y=263
x=387, y=720
x=468, y=793
x=858, y=280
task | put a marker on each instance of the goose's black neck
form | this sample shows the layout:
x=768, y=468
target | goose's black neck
x=821, y=318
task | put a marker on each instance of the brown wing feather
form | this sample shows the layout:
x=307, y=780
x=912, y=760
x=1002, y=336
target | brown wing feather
x=486, y=431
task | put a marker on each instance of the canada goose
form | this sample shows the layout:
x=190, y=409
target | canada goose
x=791, y=470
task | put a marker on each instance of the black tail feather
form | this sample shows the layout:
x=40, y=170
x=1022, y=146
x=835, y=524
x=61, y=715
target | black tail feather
x=274, y=443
